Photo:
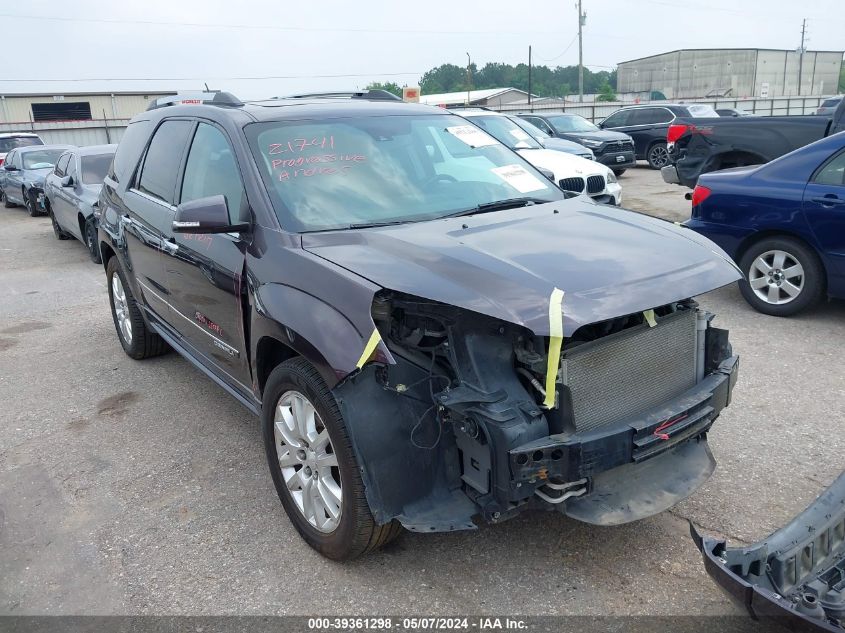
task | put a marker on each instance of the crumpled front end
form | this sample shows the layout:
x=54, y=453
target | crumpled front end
x=479, y=417
x=796, y=576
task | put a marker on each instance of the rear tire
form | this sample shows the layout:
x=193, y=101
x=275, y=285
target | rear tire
x=782, y=276
x=91, y=240
x=354, y=532
x=137, y=340
x=657, y=156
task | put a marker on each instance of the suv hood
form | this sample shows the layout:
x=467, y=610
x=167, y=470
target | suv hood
x=506, y=264
x=562, y=164
x=600, y=135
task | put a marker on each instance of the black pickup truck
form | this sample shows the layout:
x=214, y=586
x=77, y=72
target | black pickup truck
x=697, y=146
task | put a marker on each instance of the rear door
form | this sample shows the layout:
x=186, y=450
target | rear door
x=149, y=205
x=205, y=271
x=646, y=126
x=824, y=208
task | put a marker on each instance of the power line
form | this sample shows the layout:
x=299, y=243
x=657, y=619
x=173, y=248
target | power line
x=568, y=46
x=265, y=27
x=357, y=75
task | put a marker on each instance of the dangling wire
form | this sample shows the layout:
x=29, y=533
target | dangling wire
x=433, y=407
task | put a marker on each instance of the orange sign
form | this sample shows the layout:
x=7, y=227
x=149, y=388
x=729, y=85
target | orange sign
x=411, y=94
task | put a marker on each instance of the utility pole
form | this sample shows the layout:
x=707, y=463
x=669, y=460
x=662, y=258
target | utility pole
x=469, y=76
x=801, y=54
x=582, y=18
x=529, y=79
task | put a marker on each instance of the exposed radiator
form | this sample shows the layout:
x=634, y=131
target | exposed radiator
x=624, y=374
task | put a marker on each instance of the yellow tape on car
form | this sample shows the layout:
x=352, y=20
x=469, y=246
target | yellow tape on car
x=555, y=343
x=369, y=348
x=648, y=315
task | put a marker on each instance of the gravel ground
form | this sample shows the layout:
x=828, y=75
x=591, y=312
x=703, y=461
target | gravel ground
x=142, y=488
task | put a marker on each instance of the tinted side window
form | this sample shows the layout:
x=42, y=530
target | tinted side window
x=71, y=170
x=649, y=116
x=540, y=123
x=617, y=119
x=833, y=173
x=161, y=163
x=129, y=151
x=211, y=170
x=61, y=166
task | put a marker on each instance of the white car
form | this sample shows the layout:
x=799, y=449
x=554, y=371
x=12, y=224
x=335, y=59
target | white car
x=571, y=173
x=11, y=140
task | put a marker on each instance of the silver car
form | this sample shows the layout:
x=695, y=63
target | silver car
x=23, y=173
x=828, y=106
x=71, y=191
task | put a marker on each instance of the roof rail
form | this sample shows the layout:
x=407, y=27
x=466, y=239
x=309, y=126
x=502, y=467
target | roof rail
x=464, y=106
x=216, y=97
x=369, y=95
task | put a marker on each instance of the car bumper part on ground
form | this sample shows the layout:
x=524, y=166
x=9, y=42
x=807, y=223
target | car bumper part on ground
x=670, y=175
x=796, y=576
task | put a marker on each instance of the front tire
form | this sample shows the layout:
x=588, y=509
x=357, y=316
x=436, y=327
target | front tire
x=137, y=340
x=313, y=465
x=619, y=172
x=57, y=230
x=657, y=156
x=29, y=202
x=91, y=240
x=782, y=276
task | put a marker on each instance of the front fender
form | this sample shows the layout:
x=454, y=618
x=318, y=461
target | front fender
x=315, y=330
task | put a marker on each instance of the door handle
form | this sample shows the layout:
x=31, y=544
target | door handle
x=169, y=245
x=830, y=200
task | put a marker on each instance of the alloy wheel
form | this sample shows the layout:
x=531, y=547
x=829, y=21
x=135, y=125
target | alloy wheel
x=307, y=460
x=658, y=156
x=121, y=309
x=776, y=277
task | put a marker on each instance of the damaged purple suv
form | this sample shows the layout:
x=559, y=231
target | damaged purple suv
x=432, y=333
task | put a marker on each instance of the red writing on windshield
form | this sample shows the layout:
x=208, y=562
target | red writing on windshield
x=299, y=145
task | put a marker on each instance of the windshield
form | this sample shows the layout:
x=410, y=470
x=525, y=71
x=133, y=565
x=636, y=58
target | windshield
x=571, y=123
x=94, y=168
x=532, y=129
x=41, y=159
x=333, y=174
x=505, y=131
x=9, y=143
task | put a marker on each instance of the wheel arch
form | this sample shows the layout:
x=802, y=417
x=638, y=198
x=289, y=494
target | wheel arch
x=270, y=352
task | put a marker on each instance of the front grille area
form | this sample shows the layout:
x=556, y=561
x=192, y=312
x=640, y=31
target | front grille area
x=617, y=146
x=624, y=374
x=595, y=184
x=572, y=184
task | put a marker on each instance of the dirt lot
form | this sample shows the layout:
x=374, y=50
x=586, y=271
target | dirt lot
x=141, y=487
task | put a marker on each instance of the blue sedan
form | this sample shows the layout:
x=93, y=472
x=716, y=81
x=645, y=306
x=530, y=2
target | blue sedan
x=783, y=223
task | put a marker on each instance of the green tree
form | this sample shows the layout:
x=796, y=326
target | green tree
x=842, y=78
x=389, y=86
x=606, y=93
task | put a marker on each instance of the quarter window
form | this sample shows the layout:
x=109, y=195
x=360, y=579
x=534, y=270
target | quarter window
x=161, y=163
x=833, y=173
x=211, y=170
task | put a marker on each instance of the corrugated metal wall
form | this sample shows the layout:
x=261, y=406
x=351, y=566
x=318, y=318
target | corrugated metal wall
x=18, y=109
x=745, y=72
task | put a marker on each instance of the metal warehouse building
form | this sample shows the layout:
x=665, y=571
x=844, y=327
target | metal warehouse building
x=732, y=72
x=79, y=119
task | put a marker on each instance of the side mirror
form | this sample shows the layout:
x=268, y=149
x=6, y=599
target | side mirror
x=67, y=181
x=10, y=168
x=548, y=173
x=205, y=215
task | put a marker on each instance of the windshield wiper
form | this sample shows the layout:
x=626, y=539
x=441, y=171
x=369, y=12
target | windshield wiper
x=499, y=205
x=370, y=225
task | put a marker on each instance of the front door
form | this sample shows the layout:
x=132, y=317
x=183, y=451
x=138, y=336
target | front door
x=824, y=208
x=150, y=212
x=205, y=271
